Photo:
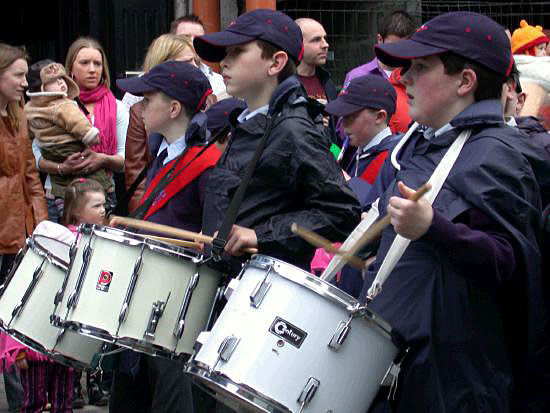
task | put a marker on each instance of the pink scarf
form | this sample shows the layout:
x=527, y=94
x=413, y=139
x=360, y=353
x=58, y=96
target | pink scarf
x=104, y=117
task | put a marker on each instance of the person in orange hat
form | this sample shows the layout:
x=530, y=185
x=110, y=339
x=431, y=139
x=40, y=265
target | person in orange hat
x=529, y=40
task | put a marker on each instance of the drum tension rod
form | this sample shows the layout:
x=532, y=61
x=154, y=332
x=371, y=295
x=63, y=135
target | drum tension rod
x=131, y=287
x=35, y=277
x=180, y=323
x=15, y=265
x=86, y=257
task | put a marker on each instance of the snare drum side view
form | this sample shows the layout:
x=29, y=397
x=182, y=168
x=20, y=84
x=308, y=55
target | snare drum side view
x=289, y=342
x=142, y=294
x=27, y=301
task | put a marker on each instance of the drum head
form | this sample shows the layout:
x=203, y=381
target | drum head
x=57, y=249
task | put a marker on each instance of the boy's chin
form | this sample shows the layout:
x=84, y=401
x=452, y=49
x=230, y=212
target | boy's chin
x=233, y=91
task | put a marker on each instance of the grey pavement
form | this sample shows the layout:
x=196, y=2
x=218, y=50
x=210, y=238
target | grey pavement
x=4, y=403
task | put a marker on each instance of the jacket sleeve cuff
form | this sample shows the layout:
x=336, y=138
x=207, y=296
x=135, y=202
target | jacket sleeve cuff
x=91, y=137
x=441, y=231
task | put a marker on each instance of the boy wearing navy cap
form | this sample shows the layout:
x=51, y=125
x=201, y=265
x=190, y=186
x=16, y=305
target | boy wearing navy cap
x=173, y=95
x=295, y=179
x=218, y=116
x=466, y=293
x=366, y=105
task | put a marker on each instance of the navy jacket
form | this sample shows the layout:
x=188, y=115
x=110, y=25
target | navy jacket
x=534, y=129
x=468, y=295
x=296, y=180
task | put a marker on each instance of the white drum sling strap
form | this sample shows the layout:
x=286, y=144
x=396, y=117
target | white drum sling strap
x=400, y=243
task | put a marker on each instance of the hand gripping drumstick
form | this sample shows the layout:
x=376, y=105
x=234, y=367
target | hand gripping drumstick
x=320, y=242
x=167, y=230
x=371, y=233
x=376, y=229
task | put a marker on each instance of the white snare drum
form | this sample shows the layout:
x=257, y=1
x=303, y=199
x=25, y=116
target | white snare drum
x=27, y=301
x=286, y=341
x=142, y=294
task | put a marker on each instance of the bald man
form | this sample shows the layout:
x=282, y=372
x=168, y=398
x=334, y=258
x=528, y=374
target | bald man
x=313, y=77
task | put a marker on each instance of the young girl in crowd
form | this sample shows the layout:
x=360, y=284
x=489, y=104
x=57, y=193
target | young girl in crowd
x=40, y=376
x=84, y=203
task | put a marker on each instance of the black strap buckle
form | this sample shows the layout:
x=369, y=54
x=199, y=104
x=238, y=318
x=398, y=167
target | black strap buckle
x=217, y=248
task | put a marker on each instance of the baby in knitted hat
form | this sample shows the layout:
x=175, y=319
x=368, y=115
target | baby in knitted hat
x=59, y=126
x=529, y=40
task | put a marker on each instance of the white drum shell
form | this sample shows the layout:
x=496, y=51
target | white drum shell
x=165, y=271
x=32, y=326
x=349, y=378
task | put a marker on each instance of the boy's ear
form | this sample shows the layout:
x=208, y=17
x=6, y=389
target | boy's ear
x=175, y=109
x=521, y=101
x=279, y=61
x=381, y=116
x=468, y=82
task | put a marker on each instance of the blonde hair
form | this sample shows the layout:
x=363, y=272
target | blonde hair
x=8, y=55
x=81, y=43
x=165, y=48
x=76, y=195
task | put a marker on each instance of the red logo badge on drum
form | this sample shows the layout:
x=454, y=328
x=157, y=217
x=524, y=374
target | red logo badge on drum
x=104, y=281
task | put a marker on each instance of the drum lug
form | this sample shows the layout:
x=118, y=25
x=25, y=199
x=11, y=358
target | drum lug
x=308, y=392
x=226, y=349
x=228, y=346
x=156, y=314
x=86, y=257
x=340, y=335
x=232, y=286
x=35, y=277
x=131, y=288
x=260, y=291
x=180, y=324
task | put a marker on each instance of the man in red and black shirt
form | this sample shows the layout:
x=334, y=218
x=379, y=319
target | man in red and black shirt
x=315, y=80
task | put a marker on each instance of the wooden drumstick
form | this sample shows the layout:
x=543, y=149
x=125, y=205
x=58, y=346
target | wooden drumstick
x=175, y=241
x=376, y=229
x=167, y=230
x=320, y=242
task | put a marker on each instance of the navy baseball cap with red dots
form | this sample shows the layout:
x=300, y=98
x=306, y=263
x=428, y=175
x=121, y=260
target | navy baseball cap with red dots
x=218, y=115
x=179, y=80
x=467, y=34
x=261, y=24
x=368, y=91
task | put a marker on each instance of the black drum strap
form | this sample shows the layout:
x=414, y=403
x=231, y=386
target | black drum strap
x=233, y=209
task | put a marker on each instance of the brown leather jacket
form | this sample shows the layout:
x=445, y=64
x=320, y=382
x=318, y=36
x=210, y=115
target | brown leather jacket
x=22, y=201
x=137, y=154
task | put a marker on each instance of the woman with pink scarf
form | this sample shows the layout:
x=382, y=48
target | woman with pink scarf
x=86, y=63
